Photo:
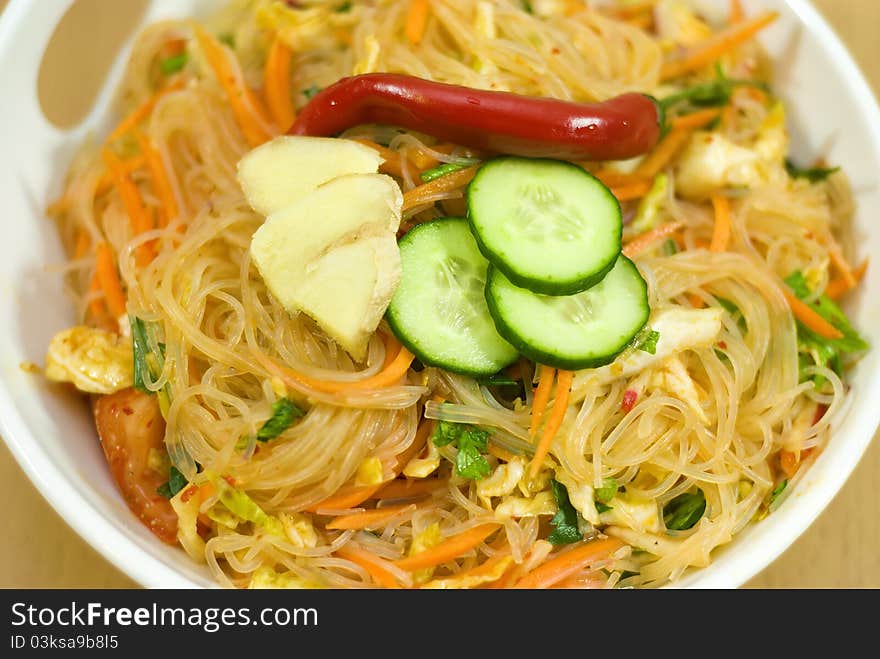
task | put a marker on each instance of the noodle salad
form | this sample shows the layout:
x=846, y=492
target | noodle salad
x=455, y=293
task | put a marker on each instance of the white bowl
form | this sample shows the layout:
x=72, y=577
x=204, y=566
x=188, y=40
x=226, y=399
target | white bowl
x=832, y=112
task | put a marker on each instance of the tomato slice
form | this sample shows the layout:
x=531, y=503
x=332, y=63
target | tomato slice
x=130, y=424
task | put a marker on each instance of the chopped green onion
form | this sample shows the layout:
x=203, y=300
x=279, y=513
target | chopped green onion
x=684, y=511
x=175, y=483
x=608, y=490
x=444, y=169
x=284, y=413
x=779, y=489
x=812, y=174
x=311, y=92
x=648, y=343
x=174, y=64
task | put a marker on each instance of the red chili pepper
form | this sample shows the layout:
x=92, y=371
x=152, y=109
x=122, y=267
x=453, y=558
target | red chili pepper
x=617, y=129
x=630, y=396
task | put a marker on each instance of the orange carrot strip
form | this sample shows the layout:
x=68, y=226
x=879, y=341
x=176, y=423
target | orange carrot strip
x=96, y=305
x=837, y=287
x=278, y=96
x=416, y=21
x=632, y=191
x=83, y=242
x=812, y=320
x=161, y=180
x=374, y=565
x=129, y=166
x=346, y=497
x=133, y=203
x=554, y=421
x=143, y=111
x=422, y=434
x=842, y=266
x=737, y=13
x=662, y=155
x=721, y=232
x=789, y=461
x=249, y=113
x=385, y=378
x=105, y=269
x=369, y=519
x=567, y=563
x=696, y=120
x=449, y=549
x=695, y=300
x=716, y=46
x=393, y=160
x=645, y=240
x=542, y=395
x=418, y=195
x=404, y=488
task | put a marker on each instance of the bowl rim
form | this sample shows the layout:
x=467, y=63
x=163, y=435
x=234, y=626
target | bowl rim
x=125, y=550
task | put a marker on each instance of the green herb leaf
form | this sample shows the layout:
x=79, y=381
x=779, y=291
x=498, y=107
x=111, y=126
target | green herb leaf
x=684, y=511
x=470, y=442
x=498, y=380
x=715, y=93
x=227, y=38
x=608, y=490
x=648, y=343
x=344, y=8
x=174, y=63
x=779, y=489
x=175, y=483
x=816, y=350
x=812, y=174
x=565, y=520
x=284, y=413
x=670, y=247
x=141, y=350
x=443, y=170
x=602, y=508
x=311, y=92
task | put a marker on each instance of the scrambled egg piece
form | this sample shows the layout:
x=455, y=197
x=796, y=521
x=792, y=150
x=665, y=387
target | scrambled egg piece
x=675, y=379
x=266, y=577
x=711, y=161
x=486, y=573
x=369, y=472
x=187, y=525
x=430, y=537
x=580, y=495
x=676, y=22
x=640, y=515
x=542, y=503
x=94, y=360
x=423, y=467
x=502, y=481
x=299, y=529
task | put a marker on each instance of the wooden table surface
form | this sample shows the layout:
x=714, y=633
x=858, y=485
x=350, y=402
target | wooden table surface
x=839, y=549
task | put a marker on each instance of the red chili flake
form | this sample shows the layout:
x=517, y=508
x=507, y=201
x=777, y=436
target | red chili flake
x=630, y=396
x=555, y=51
x=230, y=480
x=722, y=345
x=188, y=493
x=820, y=412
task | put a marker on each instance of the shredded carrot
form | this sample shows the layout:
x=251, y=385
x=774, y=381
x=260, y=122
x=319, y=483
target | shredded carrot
x=632, y=191
x=143, y=111
x=737, y=13
x=83, y=242
x=384, y=378
x=721, y=232
x=418, y=196
x=554, y=421
x=611, y=177
x=789, y=461
x=449, y=549
x=837, y=287
x=105, y=268
x=542, y=395
x=96, y=305
x=642, y=21
x=842, y=266
x=567, y=563
x=812, y=320
x=129, y=166
x=696, y=120
x=374, y=565
x=422, y=434
x=278, y=96
x=347, y=497
x=416, y=21
x=369, y=519
x=695, y=301
x=406, y=487
x=662, y=155
x=138, y=215
x=704, y=54
x=424, y=160
x=393, y=160
x=640, y=243
x=161, y=179
x=249, y=113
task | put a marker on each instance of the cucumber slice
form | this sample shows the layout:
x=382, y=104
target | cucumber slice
x=548, y=225
x=439, y=309
x=585, y=330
